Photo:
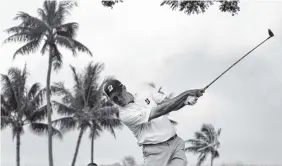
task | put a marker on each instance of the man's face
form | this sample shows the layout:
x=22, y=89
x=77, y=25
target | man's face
x=122, y=97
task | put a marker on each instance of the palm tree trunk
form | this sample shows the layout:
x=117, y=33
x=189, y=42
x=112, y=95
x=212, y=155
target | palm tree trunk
x=92, y=149
x=50, y=146
x=211, y=160
x=18, y=140
x=77, y=147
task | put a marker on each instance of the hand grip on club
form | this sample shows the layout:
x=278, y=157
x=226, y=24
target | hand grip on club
x=270, y=33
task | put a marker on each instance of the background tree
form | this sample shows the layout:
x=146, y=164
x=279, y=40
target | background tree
x=109, y=120
x=84, y=108
x=205, y=143
x=50, y=30
x=22, y=106
x=192, y=7
x=110, y=3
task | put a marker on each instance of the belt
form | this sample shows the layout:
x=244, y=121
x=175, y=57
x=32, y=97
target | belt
x=171, y=138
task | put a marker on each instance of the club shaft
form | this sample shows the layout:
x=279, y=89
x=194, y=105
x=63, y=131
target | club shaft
x=235, y=63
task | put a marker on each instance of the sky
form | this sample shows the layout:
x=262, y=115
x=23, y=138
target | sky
x=139, y=42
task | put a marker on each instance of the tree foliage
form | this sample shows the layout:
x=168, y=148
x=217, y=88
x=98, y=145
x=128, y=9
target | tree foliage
x=48, y=31
x=22, y=105
x=205, y=142
x=84, y=106
x=192, y=7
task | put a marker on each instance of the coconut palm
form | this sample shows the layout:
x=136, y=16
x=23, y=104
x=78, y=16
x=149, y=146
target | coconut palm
x=22, y=106
x=108, y=120
x=205, y=143
x=84, y=108
x=49, y=30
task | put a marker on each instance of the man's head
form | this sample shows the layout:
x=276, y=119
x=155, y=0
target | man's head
x=116, y=91
x=92, y=164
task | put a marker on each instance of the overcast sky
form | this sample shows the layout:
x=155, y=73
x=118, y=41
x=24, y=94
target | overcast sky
x=139, y=41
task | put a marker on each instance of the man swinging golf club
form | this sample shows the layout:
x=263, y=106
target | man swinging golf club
x=150, y=125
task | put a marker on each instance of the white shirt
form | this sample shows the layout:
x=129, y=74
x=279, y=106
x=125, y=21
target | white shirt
x=136, y=115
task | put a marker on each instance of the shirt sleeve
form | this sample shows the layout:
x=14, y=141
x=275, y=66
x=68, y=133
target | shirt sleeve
x=158, y=97
x=136, y=117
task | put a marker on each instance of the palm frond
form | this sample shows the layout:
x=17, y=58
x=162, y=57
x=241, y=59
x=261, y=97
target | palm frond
x=68, y=30
x=66, y=42
x=49, y=8
x=8, y=91
x=42, y=128
x=24, y=34
x=106, y=111
x=18, y=79
x=37, y=100
x=197, y=142
x=45, y=47
x=6, y=121
x=90, y=78
x=80, y=47
x=193, y=149
x=65, y=123
x=209, y=131
x=201, y=159
x=63, y=10
x=77, y=79
x=95, y=129
x=42, y=14
x=19, y=29
x=63, y=109
x=33, y=90
x=201, y=136
x=84, y=125
x=6, y=107
x=38, y=115
x=215, y=154
x=30, y=47
x=30, y=21
x=60, y=90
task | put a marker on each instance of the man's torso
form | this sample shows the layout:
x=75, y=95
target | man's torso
x=135, y=116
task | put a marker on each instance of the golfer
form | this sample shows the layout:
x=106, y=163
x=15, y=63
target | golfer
x=149, y=122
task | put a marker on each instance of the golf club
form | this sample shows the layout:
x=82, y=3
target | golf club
x=270, y=35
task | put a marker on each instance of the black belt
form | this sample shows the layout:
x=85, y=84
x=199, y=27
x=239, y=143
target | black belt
x=172, y=138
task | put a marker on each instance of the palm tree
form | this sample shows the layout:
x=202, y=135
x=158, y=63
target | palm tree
x=50, y=30
x=205, y=142
x=108, y=120
x=85, y=108
x=21, y=106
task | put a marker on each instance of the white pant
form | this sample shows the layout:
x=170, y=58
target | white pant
x=171, y=153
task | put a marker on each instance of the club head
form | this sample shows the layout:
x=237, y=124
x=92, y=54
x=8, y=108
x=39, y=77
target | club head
x=270, y=33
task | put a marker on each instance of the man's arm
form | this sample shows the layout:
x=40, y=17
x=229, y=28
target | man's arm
x=173, y=104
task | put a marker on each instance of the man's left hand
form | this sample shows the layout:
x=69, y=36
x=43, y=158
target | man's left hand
x=191, y=100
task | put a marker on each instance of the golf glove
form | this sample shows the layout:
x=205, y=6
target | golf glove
x=191, y=100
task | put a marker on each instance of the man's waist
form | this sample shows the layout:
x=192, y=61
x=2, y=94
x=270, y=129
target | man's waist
x=164, y=142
